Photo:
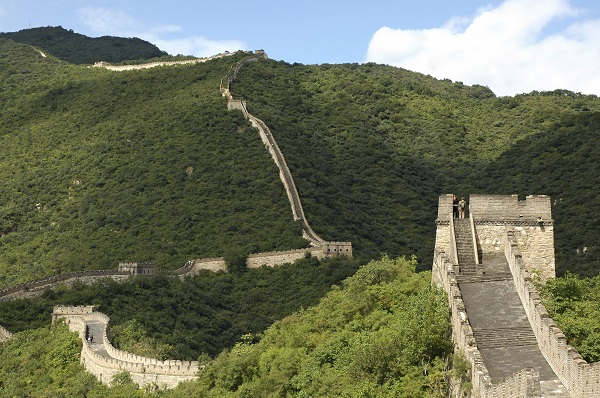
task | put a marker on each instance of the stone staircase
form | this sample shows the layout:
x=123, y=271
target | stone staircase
x=485, y=277
x=504, y=337
x=464, y=247
x=500, y=326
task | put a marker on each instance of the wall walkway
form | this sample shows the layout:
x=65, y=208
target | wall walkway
x=100, y=358
x=269, y=140
x=103, y=360
x=498, y=322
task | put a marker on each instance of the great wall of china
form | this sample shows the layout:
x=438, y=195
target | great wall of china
x=486, y=263
x=99, y=357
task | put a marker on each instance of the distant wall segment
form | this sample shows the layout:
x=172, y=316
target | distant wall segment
x=119, y=68
x=105, y=361
x=327, y=248
x=38, y=286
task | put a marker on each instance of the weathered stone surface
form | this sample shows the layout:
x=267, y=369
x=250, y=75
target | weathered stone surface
x=497, y=318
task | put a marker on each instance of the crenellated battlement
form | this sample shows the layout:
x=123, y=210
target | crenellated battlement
x=102, y=359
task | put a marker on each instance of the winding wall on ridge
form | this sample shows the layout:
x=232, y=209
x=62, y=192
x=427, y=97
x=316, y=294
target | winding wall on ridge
x=107, y=361
x=271, y=145
x=100, y=358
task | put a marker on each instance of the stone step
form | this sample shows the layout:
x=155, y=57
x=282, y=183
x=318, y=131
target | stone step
x=504, y=337
x=496, y=277
x=466, y=257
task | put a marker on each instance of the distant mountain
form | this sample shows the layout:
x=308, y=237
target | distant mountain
x=80, y=49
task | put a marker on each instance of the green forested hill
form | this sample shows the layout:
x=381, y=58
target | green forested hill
x=382, y=333
x=371, y=147
x=80, y=49
x=99, y=167
x=562, y=161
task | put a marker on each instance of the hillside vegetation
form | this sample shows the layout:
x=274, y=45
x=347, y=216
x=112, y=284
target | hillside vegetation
x=371, y=148
x=99, y=167
x=167, y=317
x=80, y=49
x=382, y=333
x=148, y=165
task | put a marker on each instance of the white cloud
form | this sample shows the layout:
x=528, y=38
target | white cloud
x=506, y=48
x=197, y=46
x=112, y=22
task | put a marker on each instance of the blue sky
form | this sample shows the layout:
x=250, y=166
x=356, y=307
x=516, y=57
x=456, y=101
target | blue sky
x=511, y=46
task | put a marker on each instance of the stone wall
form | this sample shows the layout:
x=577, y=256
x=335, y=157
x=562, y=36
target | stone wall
x=138, y=268
x=536, y=244
x=524, y=383
x=143, y=371
x=271, y=145
x=211, y=264
x=119, y=68
x=444, y=239
x=269, y=259
x=492, y=216
x=509, y=208
x=579, y=377
x=37, y=287
x=530, y=219
x=524, y=231
x=273, y=259
x=4, y=334
x=332, y=249
x=444, y=208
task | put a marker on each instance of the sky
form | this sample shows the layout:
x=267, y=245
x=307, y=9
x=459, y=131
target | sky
x=511, y=46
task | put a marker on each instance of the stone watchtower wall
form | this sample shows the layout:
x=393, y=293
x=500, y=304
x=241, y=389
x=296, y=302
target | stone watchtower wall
x=522, y=231
x=581, y=379
x=531, y=221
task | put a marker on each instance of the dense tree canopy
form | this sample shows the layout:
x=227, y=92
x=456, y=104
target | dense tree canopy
x=98, y=167
x=183, y=319
x=372, y=147
x=80, y=49
x=382, y=333
x=573, y=304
